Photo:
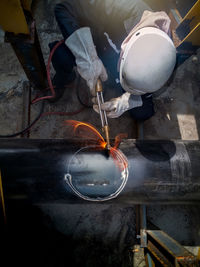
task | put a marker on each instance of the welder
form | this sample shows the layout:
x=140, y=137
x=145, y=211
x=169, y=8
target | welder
x=122, y=40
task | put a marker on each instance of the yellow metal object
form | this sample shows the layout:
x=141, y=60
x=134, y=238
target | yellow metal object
x=193, y=15
x=193, y=37
x=12, y=17
x=198, y=255
x=99, y=87
x=192, y=21
x=26, y=4
x=2, y=203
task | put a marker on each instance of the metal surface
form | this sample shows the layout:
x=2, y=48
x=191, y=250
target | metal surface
x=159, y=171
x=100, y=111
x=106, y=129
x=89, y=181
x=188, y=30
x=184, y=6
x=168, y=252
x=143, y=226
x=12, y=18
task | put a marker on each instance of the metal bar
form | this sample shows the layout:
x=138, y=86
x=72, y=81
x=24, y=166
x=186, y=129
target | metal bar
x=100, y=110
x=168, y=251
x=104, y=113
x=188, y=29
x=193, y=15
x=12, y=18
x=193, y=37
x=143, y=226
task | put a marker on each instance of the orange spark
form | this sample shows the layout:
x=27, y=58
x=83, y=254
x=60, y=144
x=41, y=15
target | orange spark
x=88, y=129
x=119, y=138
x=119, y=158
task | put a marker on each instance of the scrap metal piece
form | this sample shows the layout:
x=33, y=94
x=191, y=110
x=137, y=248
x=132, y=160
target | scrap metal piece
x=167, y=251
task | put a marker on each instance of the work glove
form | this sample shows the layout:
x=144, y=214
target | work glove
x=89, y=66
x=117, y=106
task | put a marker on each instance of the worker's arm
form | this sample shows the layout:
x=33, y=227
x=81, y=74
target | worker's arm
x=89, y=66
x=66, y=18
x=80, y=42
x=117, y=106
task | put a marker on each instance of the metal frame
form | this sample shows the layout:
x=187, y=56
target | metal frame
x=186, y=30
x=17, y=21
x=160, y=249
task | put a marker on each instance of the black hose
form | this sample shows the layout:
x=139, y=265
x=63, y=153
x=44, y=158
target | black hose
x=28, y=127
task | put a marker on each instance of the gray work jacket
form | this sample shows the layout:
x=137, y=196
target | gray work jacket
x=115, y=17
x=110, y=22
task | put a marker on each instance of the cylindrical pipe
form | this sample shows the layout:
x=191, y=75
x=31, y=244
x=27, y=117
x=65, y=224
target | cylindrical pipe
x=159, y=171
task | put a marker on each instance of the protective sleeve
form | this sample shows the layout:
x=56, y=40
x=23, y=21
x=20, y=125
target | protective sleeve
x=66, y=18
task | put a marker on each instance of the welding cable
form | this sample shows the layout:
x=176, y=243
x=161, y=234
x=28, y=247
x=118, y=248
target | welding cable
x=27, y=129
x=51, y=87
x=49, y=76
x=35, y=100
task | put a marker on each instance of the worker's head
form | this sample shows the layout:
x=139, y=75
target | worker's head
x=148, y=61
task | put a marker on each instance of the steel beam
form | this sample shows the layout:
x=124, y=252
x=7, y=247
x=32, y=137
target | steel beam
x=165, y=251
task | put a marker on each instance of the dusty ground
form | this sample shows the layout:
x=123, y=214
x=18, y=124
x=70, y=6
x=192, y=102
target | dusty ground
x=108, y=229
x=177, y=109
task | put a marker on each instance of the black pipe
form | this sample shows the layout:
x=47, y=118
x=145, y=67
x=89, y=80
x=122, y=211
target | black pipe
x=159, y=171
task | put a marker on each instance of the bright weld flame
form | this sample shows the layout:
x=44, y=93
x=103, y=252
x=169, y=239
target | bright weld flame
x=90, y=132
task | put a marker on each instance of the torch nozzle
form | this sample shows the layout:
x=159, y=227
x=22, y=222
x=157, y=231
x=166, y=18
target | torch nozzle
x=106, y=129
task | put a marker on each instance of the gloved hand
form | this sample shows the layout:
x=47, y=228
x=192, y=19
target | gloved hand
x=117, y=106
x=89, y=66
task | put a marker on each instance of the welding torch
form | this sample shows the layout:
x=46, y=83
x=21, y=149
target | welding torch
x=103, y=116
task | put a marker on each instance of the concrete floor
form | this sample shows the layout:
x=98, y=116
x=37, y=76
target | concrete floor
x=112, y=228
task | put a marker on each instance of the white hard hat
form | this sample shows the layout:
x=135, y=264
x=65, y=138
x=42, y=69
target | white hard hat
x=147, y=62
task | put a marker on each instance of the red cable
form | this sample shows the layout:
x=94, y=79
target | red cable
x=37, y=99
x=49, y=76
x=52, y=88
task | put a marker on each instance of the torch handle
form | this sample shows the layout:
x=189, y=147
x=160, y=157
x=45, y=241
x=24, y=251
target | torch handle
x=103, y=115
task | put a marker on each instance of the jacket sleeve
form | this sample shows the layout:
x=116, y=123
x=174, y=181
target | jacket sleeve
x=128, y=11
x=65, y=14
